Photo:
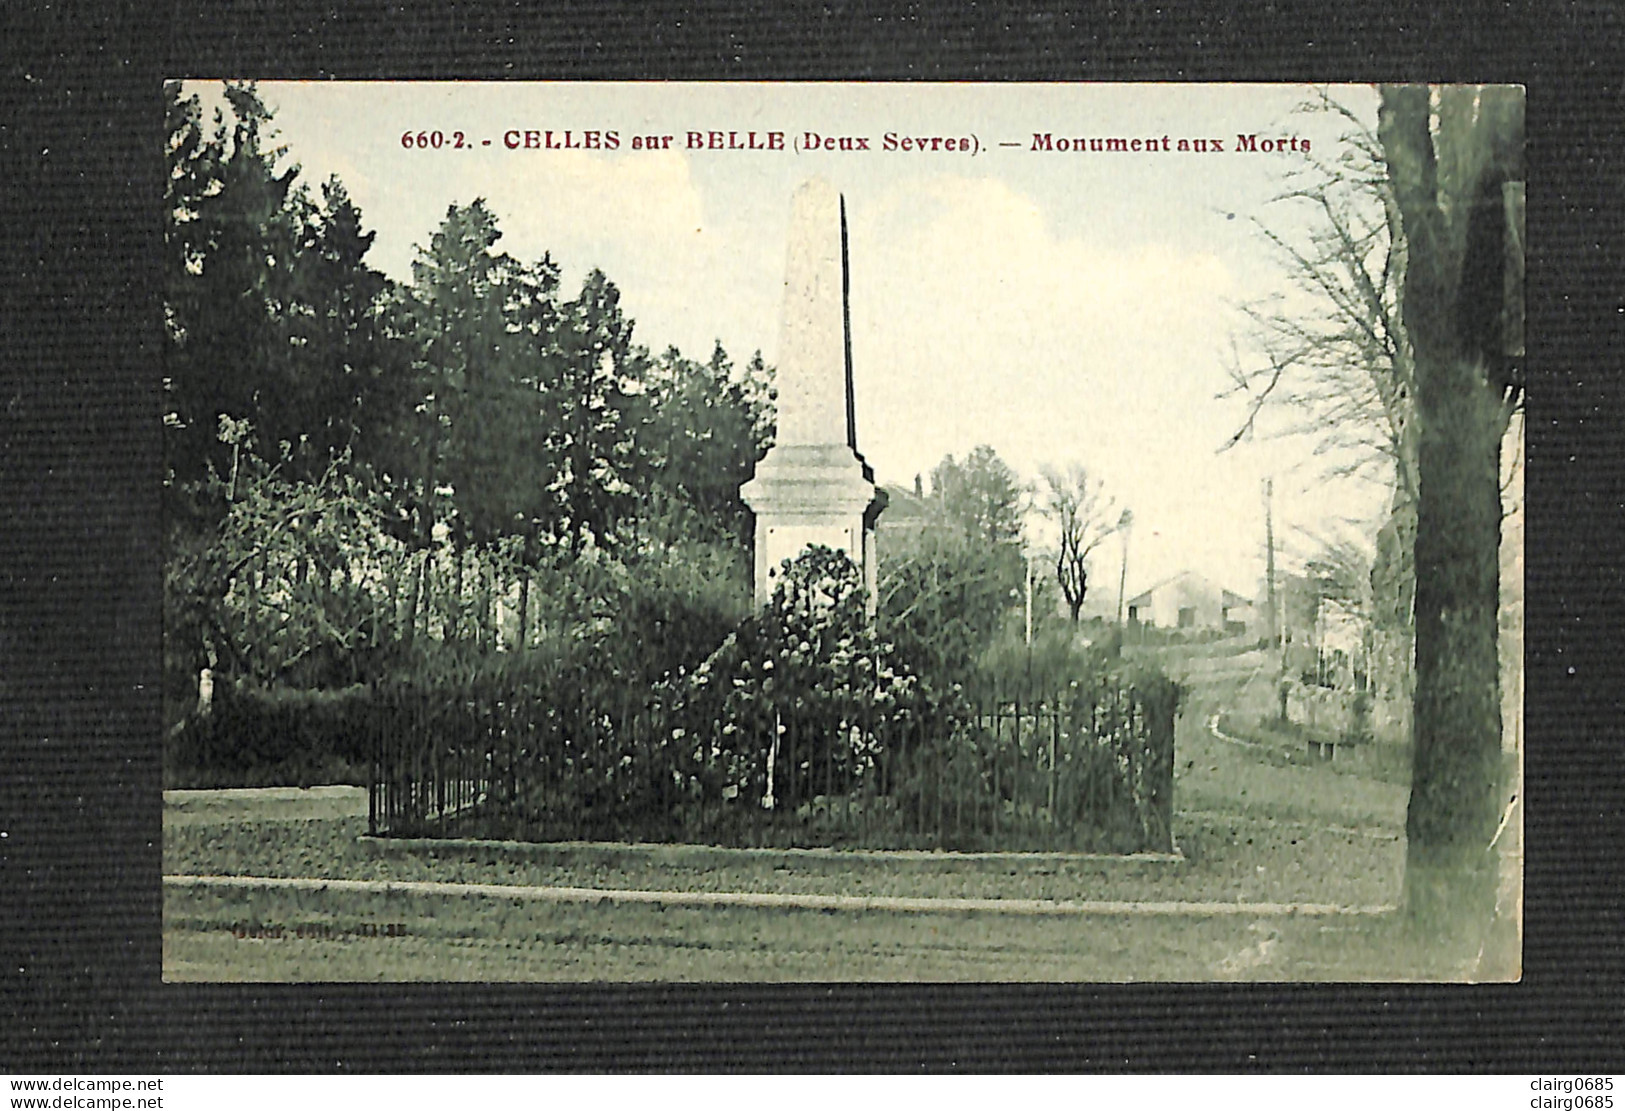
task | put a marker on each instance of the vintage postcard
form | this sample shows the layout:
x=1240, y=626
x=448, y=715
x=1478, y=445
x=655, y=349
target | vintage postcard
x=834, y=532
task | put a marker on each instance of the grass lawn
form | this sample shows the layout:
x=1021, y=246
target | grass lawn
x=1255, y=825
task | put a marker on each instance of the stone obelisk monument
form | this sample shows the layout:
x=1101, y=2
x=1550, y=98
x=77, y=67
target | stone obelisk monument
x=813, y=487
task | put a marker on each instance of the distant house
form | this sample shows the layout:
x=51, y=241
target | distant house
x=1240, y=613
x=910, y=517
x=908, y=509
x=1190, y=601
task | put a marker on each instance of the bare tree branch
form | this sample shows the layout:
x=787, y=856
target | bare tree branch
x=1339, y=365
x=1085, y=516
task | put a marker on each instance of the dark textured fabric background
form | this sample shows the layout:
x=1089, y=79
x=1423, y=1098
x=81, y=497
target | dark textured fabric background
x=80, y=129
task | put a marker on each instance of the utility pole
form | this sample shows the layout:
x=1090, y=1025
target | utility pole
x=1027, y=559
x=1277, y=625
x=1269, y=565
x=1124, y=523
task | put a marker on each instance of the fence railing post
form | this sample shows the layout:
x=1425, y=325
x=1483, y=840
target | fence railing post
x=1093, y=765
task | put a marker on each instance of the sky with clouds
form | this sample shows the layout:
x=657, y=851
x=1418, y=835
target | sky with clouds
x=1060, y=306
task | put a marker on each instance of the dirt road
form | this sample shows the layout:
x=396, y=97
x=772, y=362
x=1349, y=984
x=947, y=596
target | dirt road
x=1224, y=772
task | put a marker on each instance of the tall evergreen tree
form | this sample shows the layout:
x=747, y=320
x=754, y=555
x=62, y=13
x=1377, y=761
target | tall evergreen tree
x=273, y=315
x=471, y=316
x=591, y=375
x=232, y=237
x=277, y=360
x=704, y=428
x=354, y=381
x=469, y=355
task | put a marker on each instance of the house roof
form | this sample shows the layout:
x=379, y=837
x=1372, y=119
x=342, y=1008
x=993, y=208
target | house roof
x=1231, y=598
x=904, y=506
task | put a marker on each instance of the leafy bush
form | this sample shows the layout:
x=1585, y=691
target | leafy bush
x=943, y=600
x=802, y=727
x=279, y=580
x=1359, y=727
x=677, y=607
x=255, y=736
x=799, y=685
x=1157, y=636
x=543, y=744
x=1057, y=657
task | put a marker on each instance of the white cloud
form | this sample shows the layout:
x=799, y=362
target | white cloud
x=576, y=199
x=974, y=322
x=1057, y=309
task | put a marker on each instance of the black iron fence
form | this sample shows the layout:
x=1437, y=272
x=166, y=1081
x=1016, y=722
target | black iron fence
x=1087, y=768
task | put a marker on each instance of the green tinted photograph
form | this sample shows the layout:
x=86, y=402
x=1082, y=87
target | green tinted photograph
x=842, y=532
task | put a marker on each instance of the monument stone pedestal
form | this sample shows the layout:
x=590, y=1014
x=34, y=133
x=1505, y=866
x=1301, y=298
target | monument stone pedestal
x=806, y=494
x=813, y=487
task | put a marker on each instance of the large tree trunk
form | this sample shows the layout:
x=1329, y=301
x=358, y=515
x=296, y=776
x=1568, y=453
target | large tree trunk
x=1456, y=790
x=416, y=575
x=1447, y=176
